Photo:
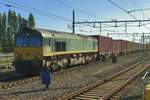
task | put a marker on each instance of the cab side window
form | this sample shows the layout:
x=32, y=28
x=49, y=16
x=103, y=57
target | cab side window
x=46, y=42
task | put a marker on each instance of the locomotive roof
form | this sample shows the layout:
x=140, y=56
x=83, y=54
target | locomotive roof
x=50, y=33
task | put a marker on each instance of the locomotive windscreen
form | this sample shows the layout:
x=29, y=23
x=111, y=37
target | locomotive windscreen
x=28, y=41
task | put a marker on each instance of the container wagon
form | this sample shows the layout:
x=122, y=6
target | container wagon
x=116, y=47
x=147, y=46
x=105, y=45
x=133, y=47
x=120, y=47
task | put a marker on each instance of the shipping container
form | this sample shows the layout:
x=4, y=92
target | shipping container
x=120, y=46
x=124, y=46
x=116, y=46
x=105, y=44
x=147, y=46
x=133, y=47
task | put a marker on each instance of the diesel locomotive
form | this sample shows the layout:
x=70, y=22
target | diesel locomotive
x=37, y=48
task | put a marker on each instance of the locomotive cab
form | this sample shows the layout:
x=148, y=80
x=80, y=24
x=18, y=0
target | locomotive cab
x=28, y=51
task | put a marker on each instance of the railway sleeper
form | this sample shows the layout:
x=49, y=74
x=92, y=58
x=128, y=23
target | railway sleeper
x=86, y=98
x=102, y=90
x=119, y=79
x=116, y=96
x=89, y=96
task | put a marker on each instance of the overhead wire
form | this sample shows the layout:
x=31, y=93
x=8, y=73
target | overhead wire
x=52, y=28
x=38, y=11
x=7, y=5
x=143, y=9
x=118, y=6
x=62, y=2
x=77, y=9
x=134, y=3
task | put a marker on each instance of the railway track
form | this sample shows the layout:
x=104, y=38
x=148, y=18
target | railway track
x=10, y=84
x=13, y=81
x=110, y=87
x=13, y=78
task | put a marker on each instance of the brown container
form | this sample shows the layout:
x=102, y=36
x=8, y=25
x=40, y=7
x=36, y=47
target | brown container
x=124, y=46
x=120, y=46
x=132, y=46
x=105, y=44
x=116, y=46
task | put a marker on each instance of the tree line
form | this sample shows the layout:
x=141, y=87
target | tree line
x=10, y=24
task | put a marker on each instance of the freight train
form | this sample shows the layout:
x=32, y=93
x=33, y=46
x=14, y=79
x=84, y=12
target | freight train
x=38, y=48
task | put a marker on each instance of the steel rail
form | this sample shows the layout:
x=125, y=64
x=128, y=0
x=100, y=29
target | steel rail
x=105, y=97
x=15, y=83
x=92, y=86
x=4, y=86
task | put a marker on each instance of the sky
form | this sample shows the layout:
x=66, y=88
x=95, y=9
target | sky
x=57, y=14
